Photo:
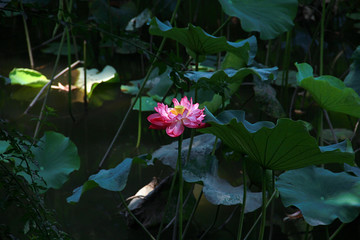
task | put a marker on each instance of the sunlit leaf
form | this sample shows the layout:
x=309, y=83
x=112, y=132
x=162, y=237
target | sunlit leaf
x=139, y=20
x=94, y=77
x=28, y=77
x=329, y=92
x=217, y=190
x=201, y=43
x=286, y=145
x=352, y=79
x=269, y=17
x=321, y=195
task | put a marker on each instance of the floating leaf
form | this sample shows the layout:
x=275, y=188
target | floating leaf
x=57, y=157
x=286, y=145
x=217, y=190
x=28, y=77
x=329, y=92
x=94, y=77
x=113, y=179
x=352, y=79
x=269, y=17
x=340, y=133
x=321, y=195
x=201, y=43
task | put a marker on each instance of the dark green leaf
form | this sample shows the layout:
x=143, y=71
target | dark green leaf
x=286, y=145
x=202, y=43
x=353, y=78
x=321, y=195
x=113, y=179
x=269, y=17
x=329, y=92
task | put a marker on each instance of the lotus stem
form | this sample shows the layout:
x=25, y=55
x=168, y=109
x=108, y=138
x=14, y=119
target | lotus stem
x=85, y=78
x=69, y=74
x=181, y=186
x=330, y=125
x=323, y=13
x=192, y=214
x=337, y=231
x=242, y=213
x=28, y=43
x=263, y=208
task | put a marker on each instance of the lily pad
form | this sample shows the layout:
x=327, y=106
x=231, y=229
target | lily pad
x=217, y=190
x=286, y=145
x=113, y=179
x=201, y=43
x=352, y=79
x=321, y=195
x=147, y=104
x=28, y=77
x=57, y=157
x=269, y=17
x=94, y=77
x=329, y=92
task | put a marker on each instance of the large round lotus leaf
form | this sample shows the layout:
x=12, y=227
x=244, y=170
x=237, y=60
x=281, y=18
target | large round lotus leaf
x=328, y=91
x=321, y=195
x=113, y=179
x=201, y=43
x=269, y=17
x=28, y=77
x=352, y=79
x=217, y=190
x=56, y=157
x=286, y=145
x=94, y=77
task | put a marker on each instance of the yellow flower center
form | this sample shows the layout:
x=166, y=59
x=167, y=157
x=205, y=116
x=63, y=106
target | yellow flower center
x=179, y=109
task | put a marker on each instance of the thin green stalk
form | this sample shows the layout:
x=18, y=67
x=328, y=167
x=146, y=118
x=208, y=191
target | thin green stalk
x=69, y=74
x=222, y=25
x=320, y=127
x=263, y=208
x=337, y=231
x=27, y=36
x=140, y=90
x=322, y=31
x=242, y=213
x=285, y=74
x=330, y=125
x=192, y=214
x=259, y=217
x=181, y=186
x=268, y=53
x=85, y=78
x=167, y=205
x=213, y=223
x=307, y=230
x=135, y=218
x=139, y=125
x=38, y=124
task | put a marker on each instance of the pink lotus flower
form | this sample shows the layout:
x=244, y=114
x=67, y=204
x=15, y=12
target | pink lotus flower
x=174, y=119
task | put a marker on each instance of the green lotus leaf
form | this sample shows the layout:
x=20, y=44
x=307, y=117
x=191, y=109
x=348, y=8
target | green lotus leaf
x=113, y=179
x=321, y=195
x=352, y=79
x=147, y=104
x=269, y=17
x=4, y=146
x=56, y=156
x=328, y=91
x=224, y=82
x=217, y=190
x=28, y=77
x=158, y=84
x=286, y=145
x=201, y=43
x=94, y=77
